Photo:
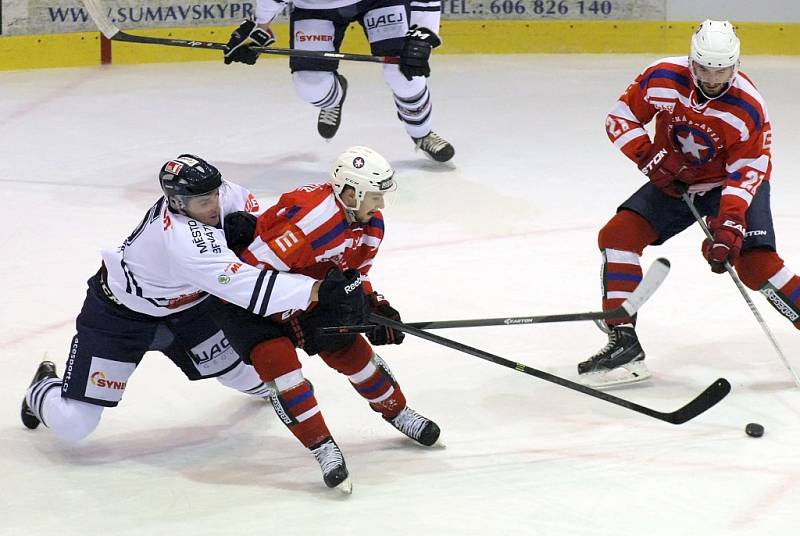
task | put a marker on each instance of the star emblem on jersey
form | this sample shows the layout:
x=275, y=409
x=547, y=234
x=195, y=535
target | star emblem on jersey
x=358, y=162
x=689, y=145
x=695, y=144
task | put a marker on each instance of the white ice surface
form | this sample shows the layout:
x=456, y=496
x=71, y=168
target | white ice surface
x=510, y=229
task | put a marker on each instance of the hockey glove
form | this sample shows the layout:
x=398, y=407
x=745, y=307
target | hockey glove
x=240, y=229
x=247, y=35
x=664, y=166
x=419, y=42
x=342, y=299
x=384, y=334
x=728, y=232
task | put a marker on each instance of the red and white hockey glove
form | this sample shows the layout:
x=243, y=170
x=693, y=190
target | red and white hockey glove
x=664, y=166
x=246, y=35
x=728, y=232
x=384, y=334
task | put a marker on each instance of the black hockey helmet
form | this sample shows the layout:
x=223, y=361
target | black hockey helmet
x=187, y=176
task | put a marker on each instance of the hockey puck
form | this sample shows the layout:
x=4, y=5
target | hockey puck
x=754, y=429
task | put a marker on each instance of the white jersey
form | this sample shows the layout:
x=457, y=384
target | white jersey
x=172, y=262
x=266, y=10
x=426, y=13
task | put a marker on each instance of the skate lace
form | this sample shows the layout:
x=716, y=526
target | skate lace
x=410, y=423
x=612, y=342
x=328, y=456
x=330, y=116
x=432, y=142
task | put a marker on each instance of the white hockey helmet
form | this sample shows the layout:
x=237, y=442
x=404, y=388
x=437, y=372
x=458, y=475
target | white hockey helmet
x=715, y=45
x=364, y=170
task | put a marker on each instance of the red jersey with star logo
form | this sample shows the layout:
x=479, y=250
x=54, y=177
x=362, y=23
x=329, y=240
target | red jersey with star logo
x=307, y=232
x=726, y=140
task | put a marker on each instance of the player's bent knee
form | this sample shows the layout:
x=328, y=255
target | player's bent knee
x=239, y=377
x=756, y=266
x=626, y=231
x=350, y=359
x=274, y=358
x=75, y=420
x=400, y=85
x=313, y=86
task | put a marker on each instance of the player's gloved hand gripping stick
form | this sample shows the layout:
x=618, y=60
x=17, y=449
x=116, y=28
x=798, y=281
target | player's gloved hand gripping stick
x=98, y=14
x=712, y=239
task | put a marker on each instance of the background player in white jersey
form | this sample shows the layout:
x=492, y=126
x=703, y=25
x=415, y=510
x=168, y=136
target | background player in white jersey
x=402, y=28
x=150, y=294
x=713, y=136
x=311, y=230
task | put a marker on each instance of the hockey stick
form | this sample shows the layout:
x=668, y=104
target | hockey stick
x=111, y=31
x=705, y=400
x=768, y=332
x=650, y=282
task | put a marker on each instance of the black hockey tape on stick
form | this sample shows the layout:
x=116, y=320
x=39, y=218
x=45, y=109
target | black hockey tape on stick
x=98, y=14
x=738, y=282
x=650, y=282
x=705, y=400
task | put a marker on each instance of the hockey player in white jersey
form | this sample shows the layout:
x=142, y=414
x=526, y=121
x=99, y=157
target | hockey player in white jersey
x=405, y=28
x=150, y=294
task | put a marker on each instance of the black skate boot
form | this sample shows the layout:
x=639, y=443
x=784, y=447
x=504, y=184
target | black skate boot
x=47, y=369
x=618, y=362
x=329, y=119
x=334, y=470
x=435, y=146
x=423, y=431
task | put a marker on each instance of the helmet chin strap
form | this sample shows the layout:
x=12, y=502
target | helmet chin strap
x=349, y=212
x=699, y=87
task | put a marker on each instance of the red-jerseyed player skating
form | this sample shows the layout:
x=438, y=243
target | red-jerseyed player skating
x=313, y=230
x=713, y=135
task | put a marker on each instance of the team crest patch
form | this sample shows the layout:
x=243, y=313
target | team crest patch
x=697, y=147
x=358, y=162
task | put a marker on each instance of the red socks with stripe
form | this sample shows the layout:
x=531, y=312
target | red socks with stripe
x=276, y=361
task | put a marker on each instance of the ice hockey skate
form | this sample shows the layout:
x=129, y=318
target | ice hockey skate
x=435, y=147
x=620, y=361
x=47, y=369
x=422, y=430
x=329, y=119
x=334, y=470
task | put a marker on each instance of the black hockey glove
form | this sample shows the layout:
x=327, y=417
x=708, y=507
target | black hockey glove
x=342, y=301
x=247, y=35
x=416, y=51
x=240, y=229
x=384, y=334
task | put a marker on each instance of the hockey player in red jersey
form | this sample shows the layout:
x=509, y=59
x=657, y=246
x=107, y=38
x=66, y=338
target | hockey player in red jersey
x=313, y=230
x=713, y=137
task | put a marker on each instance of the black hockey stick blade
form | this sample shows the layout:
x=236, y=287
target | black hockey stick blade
x=652, y=279
x=111, y=31
x=707, y=399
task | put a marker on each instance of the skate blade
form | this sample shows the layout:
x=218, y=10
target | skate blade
x=345, y=487
x=439, y=444
x=631, y=373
